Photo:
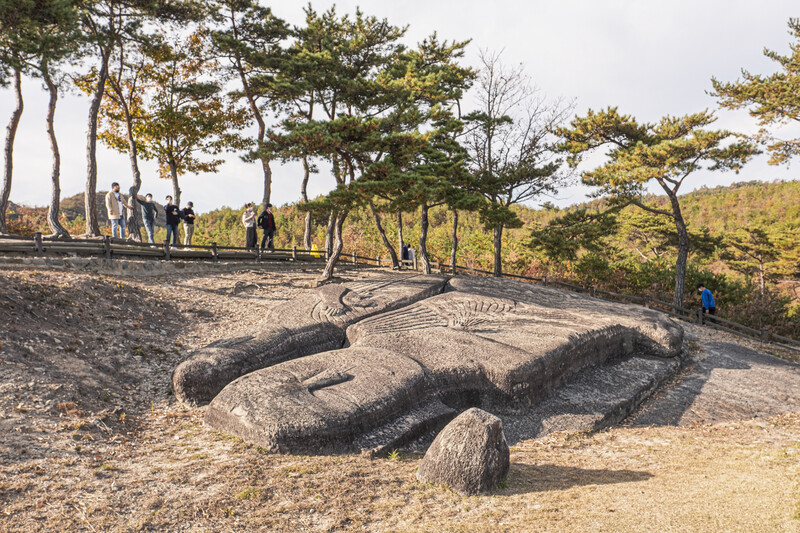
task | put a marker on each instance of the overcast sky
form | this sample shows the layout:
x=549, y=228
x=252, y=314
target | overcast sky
x=648, y=57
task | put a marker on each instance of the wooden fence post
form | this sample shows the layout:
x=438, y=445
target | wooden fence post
x=544, y=281
x=646, y=302
x=765, y=335
x=214, y=252
x=414, y=265
x=39, y=247
x=107, y=246
x=591, y=291
x=700, y=316
x=378, y=260
x=294, y=252
x=354, y=258
x=166, y=251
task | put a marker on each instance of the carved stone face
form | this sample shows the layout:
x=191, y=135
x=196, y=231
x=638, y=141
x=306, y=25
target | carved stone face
x=313, y=322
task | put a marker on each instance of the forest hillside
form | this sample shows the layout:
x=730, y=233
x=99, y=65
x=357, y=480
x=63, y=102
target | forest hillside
x=744, y=244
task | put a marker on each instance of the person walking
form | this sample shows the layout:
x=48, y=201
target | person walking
x=249, y=221
x=173, y=218
x=149, y=215
x=188, y=223
x=266, y=221
x=707, y=299
x=116, y=204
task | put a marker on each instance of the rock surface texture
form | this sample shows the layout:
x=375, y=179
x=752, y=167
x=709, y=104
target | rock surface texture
x=314, y=322
x=470, y=455
x=484, y=342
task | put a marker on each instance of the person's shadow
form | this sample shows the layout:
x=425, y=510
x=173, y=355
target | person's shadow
x=526, y=478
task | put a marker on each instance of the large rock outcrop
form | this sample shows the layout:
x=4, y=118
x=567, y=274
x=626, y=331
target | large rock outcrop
x=314, y=322
x=484, y=342
x=470, y=455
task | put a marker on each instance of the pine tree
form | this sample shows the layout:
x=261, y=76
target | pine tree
x=773, y=100
x=357, y=124
x=56, y=40
x=752, y=251
x=248, y=37
x=666, y=153
x=17, y=33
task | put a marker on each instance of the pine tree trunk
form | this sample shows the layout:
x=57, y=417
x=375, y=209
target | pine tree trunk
x=498, y=250
x=267, y=181
x=176, y=190
x=680, y=264
x=55, y=196
x=423, y=240
x=11, y=133
x=133, y=219
x=683, y=252
x=304, y=199
x=90, y=198
x=262, y=129
x=338, y=244
x=400, y=230
x=382, y=233
x=454, y=248
x=329, y=233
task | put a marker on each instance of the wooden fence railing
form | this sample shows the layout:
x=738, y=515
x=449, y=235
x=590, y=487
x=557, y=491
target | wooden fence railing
x=111, y=249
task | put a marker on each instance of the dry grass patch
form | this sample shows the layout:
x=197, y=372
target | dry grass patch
x=726, y=477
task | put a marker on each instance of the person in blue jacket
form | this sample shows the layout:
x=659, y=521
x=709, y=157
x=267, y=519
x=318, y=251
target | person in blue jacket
x=709, y=306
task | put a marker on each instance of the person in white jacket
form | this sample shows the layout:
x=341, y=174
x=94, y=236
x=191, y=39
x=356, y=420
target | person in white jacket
x=249, y=221
x=116, y=204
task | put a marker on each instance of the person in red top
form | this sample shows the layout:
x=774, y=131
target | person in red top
x=266, y=221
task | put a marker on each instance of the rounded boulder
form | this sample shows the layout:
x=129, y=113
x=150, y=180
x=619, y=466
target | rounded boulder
x=470, y=455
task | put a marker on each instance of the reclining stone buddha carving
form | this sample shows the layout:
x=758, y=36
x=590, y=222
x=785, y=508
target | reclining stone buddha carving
x=482, y=342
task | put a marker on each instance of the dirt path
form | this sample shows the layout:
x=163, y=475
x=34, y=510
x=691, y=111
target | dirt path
x=92, y=439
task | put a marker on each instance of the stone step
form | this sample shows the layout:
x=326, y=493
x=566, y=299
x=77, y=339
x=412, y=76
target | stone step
x=593, y=398
x=432, y=414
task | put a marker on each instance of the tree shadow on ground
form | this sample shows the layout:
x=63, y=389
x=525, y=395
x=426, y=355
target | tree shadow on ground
x=724, y=393
x=527, y=478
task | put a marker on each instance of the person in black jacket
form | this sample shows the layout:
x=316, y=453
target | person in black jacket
x=188, y=223
x=173, y=219
x=266, y=221
x=149, y=215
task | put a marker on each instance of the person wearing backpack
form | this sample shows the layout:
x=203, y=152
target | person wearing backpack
x=266, y=221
